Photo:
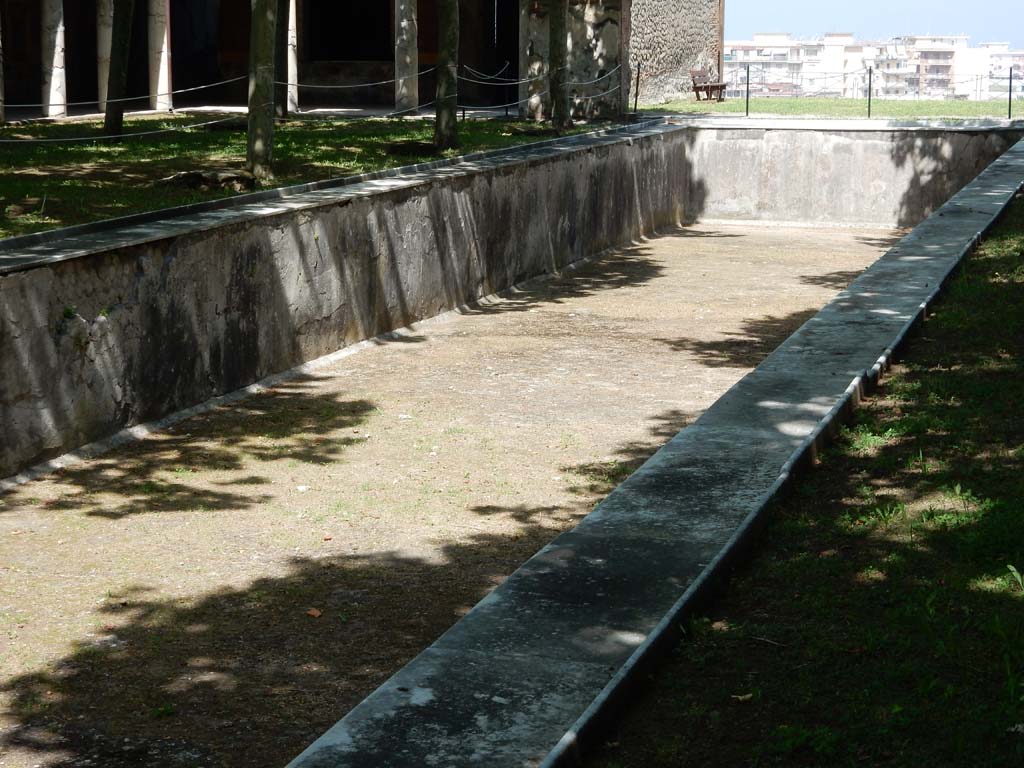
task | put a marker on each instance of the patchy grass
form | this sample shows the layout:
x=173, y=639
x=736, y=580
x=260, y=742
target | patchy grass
x=819, y=106
x=882, y=622
x=49, y=185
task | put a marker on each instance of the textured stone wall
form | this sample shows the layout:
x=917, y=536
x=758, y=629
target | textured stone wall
x=595, y=53
x=668, y=38
x=94, y=344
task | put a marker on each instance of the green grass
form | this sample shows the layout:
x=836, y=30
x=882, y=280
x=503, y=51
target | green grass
x=43, y=186
x=881, y=621
x=814, y=106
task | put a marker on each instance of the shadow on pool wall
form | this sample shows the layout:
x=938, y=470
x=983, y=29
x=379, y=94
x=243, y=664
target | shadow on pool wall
x=123, y=336
x=112, y=339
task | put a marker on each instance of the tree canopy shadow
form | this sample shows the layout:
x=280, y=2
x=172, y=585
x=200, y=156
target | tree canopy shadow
x=746, y=348
x=290, y=422
x=882, y=583
x=242, y=677
x=835, y=280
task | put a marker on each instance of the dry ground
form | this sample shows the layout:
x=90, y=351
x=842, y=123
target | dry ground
x=155, y=603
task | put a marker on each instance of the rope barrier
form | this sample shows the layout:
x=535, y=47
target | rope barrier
x=495, y=76
x=132, y=98
x=502, y=106
x=598, y=79
x=597, y=95
x=77, y=139
x=354, y=85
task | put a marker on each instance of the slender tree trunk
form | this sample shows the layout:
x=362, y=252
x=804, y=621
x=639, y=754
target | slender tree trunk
x=558, y=59
x=2, y=102
x=281, y=59
x=117, y=82
x=261, y=88
x=446, y=129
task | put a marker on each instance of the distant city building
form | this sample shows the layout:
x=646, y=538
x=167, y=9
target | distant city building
x=837, y=65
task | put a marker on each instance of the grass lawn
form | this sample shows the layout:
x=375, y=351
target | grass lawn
x=813, y=106
x=48, y=185
x=882, y=619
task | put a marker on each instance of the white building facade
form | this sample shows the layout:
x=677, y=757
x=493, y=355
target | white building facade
x=838, y=65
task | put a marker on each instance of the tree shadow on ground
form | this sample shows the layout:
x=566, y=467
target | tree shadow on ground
x=746, y=348
x=288, y=423
x=837, y=280
x=882, y=585
x=243, y=677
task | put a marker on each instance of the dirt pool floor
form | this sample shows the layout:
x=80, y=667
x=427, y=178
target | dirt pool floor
x=221, y=593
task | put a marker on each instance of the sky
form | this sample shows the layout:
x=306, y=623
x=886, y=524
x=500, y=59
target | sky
x=992, y=20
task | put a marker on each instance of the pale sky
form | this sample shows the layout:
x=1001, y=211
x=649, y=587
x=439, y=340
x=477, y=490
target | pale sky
x=988, y=21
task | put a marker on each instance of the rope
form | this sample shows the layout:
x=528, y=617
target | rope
x=502, y=106
x=597, y=95
x=354, y=85
x=598, y=79
x=172, y=129
x=133, y=98
x=495, y=76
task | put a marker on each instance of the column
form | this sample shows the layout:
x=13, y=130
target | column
x=407, y=62
x=104, y=35
x=293, y=56
x=55, y=100
x=158, y=25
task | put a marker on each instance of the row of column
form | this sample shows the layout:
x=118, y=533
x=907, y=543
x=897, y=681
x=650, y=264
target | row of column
x=54, y=97
x=158, y=27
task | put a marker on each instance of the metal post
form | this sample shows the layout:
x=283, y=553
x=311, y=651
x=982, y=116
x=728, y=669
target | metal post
x=871, y=71
x=636, y=92
x=1009, y=100
x=748, y=90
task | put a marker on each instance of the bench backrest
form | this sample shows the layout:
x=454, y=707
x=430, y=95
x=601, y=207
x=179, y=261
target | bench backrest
x=700, y=76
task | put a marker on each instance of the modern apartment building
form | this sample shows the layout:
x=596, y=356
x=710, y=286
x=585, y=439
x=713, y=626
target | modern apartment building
x=908, y=67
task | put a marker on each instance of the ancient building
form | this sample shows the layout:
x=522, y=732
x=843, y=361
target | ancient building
x=56, y=52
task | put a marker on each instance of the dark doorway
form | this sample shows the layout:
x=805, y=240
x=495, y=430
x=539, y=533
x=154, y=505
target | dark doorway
x=23, y=76
x=80, y=53
x=209, y=44
x=349, y=30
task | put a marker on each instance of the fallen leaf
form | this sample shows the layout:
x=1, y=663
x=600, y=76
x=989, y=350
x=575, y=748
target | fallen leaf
x=720, y=626
x=316, y=613
x=742, y=696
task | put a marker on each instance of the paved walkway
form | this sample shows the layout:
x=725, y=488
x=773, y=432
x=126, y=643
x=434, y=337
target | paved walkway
x=160, y=593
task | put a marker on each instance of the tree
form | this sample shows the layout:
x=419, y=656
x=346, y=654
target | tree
x=260, y=151
x=117, y=78
x=1, y=74
x=446, y=129
x=558, y=60
x=281, y=59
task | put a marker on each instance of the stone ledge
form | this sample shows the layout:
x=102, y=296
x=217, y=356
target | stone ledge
x=528, y=675
x=18, y=254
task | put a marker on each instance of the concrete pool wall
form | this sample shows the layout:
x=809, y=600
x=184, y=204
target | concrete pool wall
x=104, y=327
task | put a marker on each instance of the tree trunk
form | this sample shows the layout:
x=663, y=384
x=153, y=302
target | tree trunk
x=117, y=83
x=446, y=129
x=281, y=59
x=1, y=74
x=261, y=88
x=558, y=59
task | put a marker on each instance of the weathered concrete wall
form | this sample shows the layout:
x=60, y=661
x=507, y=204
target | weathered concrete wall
x=668, y=38
x=891, y=178
x=96, y=343
x=595, y=53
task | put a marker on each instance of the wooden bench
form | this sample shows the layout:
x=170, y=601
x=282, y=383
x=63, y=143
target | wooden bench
x=702, y=84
